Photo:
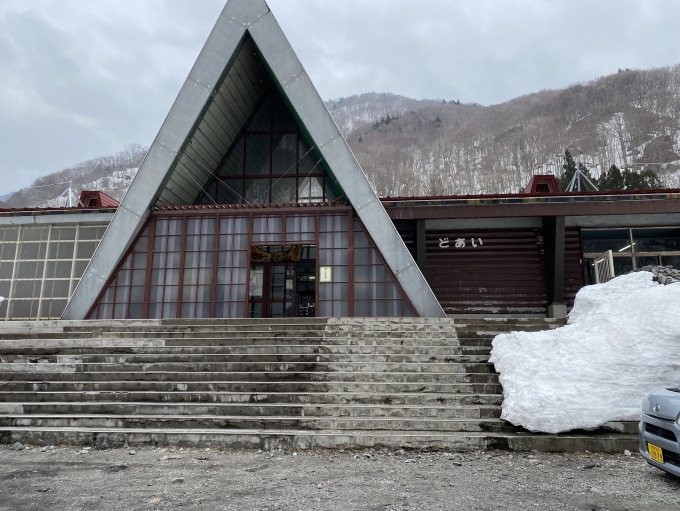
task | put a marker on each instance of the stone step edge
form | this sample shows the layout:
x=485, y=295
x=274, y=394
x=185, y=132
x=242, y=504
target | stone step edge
x=443, y=395
x=597, y=441
x=370, y=406
x=259, y=418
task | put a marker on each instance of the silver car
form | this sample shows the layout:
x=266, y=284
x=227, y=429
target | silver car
x=660, y=429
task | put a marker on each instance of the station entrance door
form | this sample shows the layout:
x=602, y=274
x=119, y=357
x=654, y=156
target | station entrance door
x=282, y=282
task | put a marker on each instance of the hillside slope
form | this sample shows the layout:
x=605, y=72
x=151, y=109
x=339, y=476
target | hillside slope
x=630, y=119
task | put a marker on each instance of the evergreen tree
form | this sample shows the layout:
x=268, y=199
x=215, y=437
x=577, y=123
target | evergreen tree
x=611, y=179
x=645, y=180
x=569, y=168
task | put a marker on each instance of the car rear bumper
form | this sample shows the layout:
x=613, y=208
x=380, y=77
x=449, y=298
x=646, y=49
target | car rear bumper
x=671, y=449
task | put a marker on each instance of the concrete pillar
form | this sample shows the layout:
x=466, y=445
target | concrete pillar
x=553, y=236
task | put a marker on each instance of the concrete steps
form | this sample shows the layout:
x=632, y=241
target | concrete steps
x=299, y=383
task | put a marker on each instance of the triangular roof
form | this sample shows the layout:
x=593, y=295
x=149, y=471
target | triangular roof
x=226, y=81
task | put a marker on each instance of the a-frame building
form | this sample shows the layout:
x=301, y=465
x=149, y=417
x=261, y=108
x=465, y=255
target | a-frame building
x=250, y=202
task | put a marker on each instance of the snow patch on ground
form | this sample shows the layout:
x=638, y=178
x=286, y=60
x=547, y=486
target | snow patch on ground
x=622, y=341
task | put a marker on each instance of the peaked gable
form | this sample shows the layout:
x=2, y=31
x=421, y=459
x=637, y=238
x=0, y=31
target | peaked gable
x=228, y=81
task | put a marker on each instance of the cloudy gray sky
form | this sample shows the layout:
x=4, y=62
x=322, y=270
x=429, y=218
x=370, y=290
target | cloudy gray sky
x=83, y=78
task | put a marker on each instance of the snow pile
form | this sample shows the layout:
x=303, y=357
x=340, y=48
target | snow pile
x=622, y=341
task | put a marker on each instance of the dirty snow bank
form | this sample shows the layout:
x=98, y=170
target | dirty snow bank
x=622, y=340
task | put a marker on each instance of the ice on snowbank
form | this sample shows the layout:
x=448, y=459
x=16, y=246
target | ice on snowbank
x=622, y=341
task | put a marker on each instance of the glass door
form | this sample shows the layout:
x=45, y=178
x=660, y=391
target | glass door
x=272, y=290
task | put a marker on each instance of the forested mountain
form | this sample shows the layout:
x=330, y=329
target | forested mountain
x=630, y=119
x=410, y=147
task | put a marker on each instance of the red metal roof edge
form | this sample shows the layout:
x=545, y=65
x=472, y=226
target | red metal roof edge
x=277, y=205
x=527, y=195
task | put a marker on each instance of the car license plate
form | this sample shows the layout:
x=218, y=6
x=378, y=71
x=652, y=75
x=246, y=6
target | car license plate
x=655, y=452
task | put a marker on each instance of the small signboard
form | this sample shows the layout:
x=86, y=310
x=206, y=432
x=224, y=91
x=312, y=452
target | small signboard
x=325, y=274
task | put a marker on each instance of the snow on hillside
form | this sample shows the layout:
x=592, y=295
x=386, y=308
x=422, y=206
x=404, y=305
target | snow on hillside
x=114, y=185
x=616, y=348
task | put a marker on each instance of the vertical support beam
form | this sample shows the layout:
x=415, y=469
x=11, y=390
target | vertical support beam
x=420, y=244
x=553, y=235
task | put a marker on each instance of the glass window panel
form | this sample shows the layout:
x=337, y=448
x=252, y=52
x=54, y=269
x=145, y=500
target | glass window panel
x=108, y=295
x=392, y=291
x=27, y=289
x=155, y=311
x=274, y=227
x=671, y=260
x=646, y=261
x=79, y=268
x=325, y=309
x=120, y=311
x=8, y=251
x=361, y=291
x=87, y=233
x=122, y=294
x=30, y=269
x=23, y=309
x=340, y=291
x=224, y=259
x=173, y=260
x=257, y=191
x=283, y=120
x=171, y=277
x=193, y=226
x=325, y=257
x=206, y=259
x=10, y=234
x=657, y=240
x=341, y=274
x=56, y=288
x=361, y=274
x=341, y=223
x=284, y=154
x=229, y=191
x=326, y=223
x=241, y=242
x=37, y=233
x=340, y=240
x=283, y=190
x=238, y=276
x=191, y=259
x=156, y=294
x=233, y=165
x=361, y=308
x=310, y=189
x=205, y=276
x=622, y=265
x=65, y=250
x=377, y=290
x=160, y=244
x=341, y=256
x=207, y=242
x=31, y=251
x=240, y=258
x=174, y=243
x=340, y=309
x=258, y=155
x=377, y=273
x=139, y=260
x=262, y=119
x=188, y=293
x=85, y=249
x=378, y=308
x=124, y=278
x=241, y=225
x=6, y=270
x=170, y=294
x=193, y=243
x=190, y=276
x=169, y=311
x=175, y=227
x=221, y=294
x=307, y=160
x=204, y=293
x=137, y=294
x=329, y=191
x=360, y=239
x=599, y=241
x=293, y=228
x=135, y=311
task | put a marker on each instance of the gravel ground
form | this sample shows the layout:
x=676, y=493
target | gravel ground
x=67, y=478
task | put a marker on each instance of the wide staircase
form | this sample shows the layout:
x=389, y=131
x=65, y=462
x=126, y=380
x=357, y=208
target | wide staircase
x=268, y=384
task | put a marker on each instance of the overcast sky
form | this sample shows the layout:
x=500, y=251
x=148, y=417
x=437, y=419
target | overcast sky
x=83, y=78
